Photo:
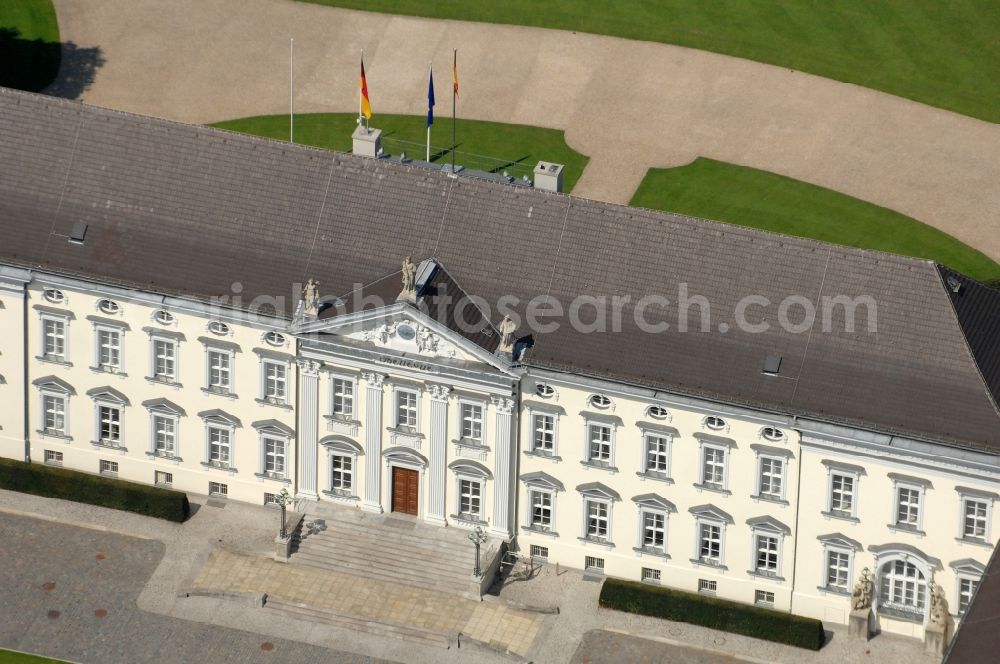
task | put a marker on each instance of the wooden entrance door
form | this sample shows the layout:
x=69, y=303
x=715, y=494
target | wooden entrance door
x=405, y=491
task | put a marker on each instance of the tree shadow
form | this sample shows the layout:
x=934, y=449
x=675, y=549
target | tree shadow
x=59, y=69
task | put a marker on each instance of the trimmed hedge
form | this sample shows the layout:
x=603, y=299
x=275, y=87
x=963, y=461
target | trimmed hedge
x=711, y=612
x=66, y=484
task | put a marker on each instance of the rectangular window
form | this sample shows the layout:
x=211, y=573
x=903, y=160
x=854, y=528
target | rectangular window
x=907, y=506
x=472, y=422
x=164, y=360
x=406, y=410
x=842, y=494
x=110, y=424
x=771, y=474
x=218, y=440
x=342, y=476
x=657, y=455
x=539, y=552
x=109, y=346
x=541, y=510
x=592, y=564
x=766, y=548
x=707, y=586
x=274, y=382
x=597, y=519
x=219, y=371
x=53, y=457
x=109, y=467
x=54, y=341
x=545, y=434
x=714, y=467
x=274, y=456
x=55, y=414
x=218, y=489
x=653, y=530
x=710, y=543
x=343, y=398
x=270, y=499
x=966, y=589
x=763, y=597
x=165, y=431
x=600, y=444
x=162, y=478
x=650, y=575
x=470, y=498
x=838, y=571
x=975, y=518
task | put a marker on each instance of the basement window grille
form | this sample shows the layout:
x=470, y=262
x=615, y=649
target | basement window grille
x=763, y=597
x=218, y=489
x=650, y=575
x=539, y=552
x=109, y=467
x=707, y=586
x=592, y=564
x=53, y=458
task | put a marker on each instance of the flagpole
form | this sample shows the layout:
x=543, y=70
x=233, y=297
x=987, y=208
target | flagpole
x=361, y=107
x=454, y=98
x=430, y=70
x=291, y=91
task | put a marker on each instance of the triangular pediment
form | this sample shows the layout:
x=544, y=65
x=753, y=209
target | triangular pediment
x=403, y=329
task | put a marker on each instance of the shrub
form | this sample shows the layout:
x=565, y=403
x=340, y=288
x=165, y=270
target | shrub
x=712, y=612
x=66, y=484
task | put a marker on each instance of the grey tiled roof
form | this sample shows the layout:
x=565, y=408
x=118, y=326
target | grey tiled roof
x=185, y=209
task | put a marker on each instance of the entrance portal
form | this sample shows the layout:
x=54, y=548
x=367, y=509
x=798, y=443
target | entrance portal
x=405, y=490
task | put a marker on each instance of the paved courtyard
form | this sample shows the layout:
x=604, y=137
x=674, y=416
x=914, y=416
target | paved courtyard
x=71, y=593
x=602, y=647
x=628, y=105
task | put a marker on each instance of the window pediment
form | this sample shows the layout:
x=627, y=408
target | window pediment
x=654, y=501
x=217, y=416
x=473, y=468
x=904, y=551
x=598, y=490
x=109, y=322
x=715, y=440
x=542, y=481
x=657, y=428
x=405, y=455
x=54, y=384
x=273, y=427
x=968, y=566
x=772, y=451
x=711, y=512
x=844, y=467
x=108, y=394
x=163, y=406
x=341, y=444
x=838, y=539
x=770, y=524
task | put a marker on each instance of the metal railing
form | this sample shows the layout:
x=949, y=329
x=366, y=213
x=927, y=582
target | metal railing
x=516, y=168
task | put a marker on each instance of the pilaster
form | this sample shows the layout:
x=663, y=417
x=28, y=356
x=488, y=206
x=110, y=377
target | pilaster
x=438, y=471
x=308, y=427
x=502, y=454
x=373, y=443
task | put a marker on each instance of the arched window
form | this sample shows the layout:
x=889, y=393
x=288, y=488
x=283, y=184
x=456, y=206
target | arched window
x=772, y=433
x=715, y=423
x=600, y=401
x=902, y=590
x=163, y=317
x=109, y=306
x=544, y=390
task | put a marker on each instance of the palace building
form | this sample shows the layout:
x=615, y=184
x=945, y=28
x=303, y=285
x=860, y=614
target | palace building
x=631, y=393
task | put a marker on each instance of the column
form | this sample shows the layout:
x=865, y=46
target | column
x=502, y=453
x=438, y=471
x=373, y=443
x=308, y=427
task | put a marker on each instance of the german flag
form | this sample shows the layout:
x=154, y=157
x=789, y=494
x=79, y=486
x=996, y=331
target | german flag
x=454, y=73
x=366, y=105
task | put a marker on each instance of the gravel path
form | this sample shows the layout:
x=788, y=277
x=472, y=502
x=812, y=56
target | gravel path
x=629, y=105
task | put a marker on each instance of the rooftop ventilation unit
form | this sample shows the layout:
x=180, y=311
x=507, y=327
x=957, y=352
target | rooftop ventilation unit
x=548, y=176
x=954, y=285
x=772, y=364
x=79, y=233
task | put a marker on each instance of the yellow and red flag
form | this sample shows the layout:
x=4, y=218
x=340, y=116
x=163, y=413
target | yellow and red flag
x=454, y=73
x=366, y=105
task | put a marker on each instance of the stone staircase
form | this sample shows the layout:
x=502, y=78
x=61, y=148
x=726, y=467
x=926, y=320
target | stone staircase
x=355, y=624
x=390, y=547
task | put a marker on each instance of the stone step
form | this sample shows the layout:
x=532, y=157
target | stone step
x=394, y=576
x=400, y=558
x=354, y=623
x=426, y=535
x=387, y=571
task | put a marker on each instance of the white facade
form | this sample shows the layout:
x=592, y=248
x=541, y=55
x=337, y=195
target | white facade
x=388, y=410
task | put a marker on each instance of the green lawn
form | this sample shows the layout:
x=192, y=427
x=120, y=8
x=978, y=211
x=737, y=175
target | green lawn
x=748, y=197
x=517, y=147
x=11, y=657
x=29, y=44
x=942, y=53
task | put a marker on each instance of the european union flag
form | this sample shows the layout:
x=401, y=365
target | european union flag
x=430, y=100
